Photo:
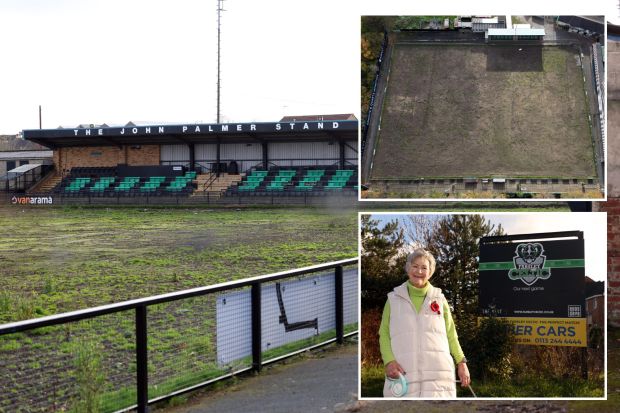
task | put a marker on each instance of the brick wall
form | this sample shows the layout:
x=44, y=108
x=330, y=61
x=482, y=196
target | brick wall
x=146, y=155
x=595, y=308
x=612, y=207
x=67, y=158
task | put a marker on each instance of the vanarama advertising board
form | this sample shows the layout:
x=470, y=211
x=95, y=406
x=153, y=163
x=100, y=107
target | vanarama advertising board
x=537, y=282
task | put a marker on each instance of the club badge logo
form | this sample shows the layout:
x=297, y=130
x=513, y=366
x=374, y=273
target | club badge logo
x=529, y=264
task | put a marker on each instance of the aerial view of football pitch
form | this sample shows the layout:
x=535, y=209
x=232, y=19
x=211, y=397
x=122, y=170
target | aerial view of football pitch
x=509, y=111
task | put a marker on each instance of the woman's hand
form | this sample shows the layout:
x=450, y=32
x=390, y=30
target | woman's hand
x=464, y=374
x=392, y=369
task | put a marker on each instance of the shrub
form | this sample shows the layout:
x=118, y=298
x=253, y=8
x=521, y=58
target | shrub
x=371, y=320
x=488, y=346
x=24, y=308
x=88, y=375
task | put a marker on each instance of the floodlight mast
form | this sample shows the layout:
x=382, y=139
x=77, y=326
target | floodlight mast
x=220, y=9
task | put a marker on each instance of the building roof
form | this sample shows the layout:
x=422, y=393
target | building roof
x=305, y=118
x=24, y=168
x=592, y=23
x=16, y=143
x=518, y=31
x=487, y=20
x=25, y=155
x=289, y=131
x=594, y=288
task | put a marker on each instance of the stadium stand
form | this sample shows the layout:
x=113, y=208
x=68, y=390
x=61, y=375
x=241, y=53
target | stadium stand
x=288, y=181
x=97, y=181
x=274, y=159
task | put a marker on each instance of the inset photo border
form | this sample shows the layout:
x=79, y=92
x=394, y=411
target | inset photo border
x=513, y=305
x=502, y=107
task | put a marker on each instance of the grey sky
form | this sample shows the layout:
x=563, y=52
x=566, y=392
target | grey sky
x=112, y=61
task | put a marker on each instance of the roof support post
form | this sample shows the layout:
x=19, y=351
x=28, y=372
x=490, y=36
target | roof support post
x=265, y=154
x=192, y=157
x=217, y=158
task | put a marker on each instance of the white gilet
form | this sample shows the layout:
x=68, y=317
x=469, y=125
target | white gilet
x=420, y=345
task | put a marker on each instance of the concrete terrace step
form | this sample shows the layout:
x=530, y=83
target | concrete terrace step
x=46, y=184
x=215, y=188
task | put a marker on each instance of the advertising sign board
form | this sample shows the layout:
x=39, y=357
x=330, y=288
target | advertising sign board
x=537, y=282
x=291, y=311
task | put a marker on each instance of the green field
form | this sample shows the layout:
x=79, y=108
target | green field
x=60, y=259
x=484, y=110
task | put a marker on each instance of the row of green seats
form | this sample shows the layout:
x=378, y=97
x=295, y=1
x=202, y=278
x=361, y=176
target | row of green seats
x=310, y=179
x=252, y=180
x=248, y=186
x=179, y=183
x=102, y=184
x=127, y=183
x=152, y=184
x=308, y=182
x=339, y=179
x=334, y=185
x=279, y=181
x=159, y=179
x=77, y=184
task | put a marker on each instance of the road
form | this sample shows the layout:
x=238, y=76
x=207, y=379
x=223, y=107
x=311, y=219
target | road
x=325, y=380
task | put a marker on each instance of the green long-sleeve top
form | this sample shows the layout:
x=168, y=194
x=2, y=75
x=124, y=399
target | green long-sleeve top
x=417, y=296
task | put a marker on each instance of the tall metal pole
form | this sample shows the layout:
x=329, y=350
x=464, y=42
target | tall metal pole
x=219, y=16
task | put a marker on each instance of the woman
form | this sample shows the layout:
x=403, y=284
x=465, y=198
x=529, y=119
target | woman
x=417, y=336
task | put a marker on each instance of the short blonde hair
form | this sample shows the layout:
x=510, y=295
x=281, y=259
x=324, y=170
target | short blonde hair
x=420, y=252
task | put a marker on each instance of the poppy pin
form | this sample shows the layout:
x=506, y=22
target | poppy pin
x=435, y=307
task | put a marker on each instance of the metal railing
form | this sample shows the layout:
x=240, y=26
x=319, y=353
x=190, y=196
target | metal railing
x=373, y=95
x=209, y=182
x=264, y=312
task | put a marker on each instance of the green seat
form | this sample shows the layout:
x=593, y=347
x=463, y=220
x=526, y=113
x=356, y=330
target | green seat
x=283, y=177
x=76, y=184
x=158, y=179
x=179, y=183
x=102, y=184
x=127, y=183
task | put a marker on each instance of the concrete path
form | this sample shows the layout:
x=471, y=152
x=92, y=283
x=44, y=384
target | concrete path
x=322, y=381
